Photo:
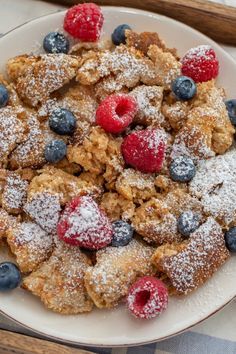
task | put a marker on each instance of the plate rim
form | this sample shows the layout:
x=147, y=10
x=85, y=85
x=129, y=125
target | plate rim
x=99, y=345
x=129, y=345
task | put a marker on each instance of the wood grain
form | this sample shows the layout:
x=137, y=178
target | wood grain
x=215, y=20
x=21, y=344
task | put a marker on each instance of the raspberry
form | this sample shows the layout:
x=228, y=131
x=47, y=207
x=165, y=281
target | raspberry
x=147, y=297
x=116, y=112
x=200, y=63
x=145, y=149
x=84, y=22
x=84, y=224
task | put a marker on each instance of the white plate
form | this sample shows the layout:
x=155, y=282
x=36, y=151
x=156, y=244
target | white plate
x=117, y=327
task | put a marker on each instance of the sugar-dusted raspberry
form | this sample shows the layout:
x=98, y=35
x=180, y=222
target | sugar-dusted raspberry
x=145, y=149
x=200, y=63
x=84, y=224
x=116, y=112
x=147, y=297
x=84, y=21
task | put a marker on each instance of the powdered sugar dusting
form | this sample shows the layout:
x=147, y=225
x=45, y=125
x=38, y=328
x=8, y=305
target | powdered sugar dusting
x=215, y=185
x=116, y=269
x=32, y=244
x=203, y=255
x=155, y=305
x=87, y=224
x=149, y=99
x=15, y=192
x=46, y=74
x=201, y=51
x=11, y=131
x=193, y=143
x=44, y=208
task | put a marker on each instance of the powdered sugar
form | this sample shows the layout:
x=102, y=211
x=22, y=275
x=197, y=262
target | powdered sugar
x=12, y=131
x=147, y=298
x=84, y=224
x=215, y=185
x=193, y=143
x=149, y=99
x=31, y=245
x=44, y=208
x=29, y=152
x=201, y=51
x=203, y=255
x=15, y=192
x=116, y=269
x=46, y=74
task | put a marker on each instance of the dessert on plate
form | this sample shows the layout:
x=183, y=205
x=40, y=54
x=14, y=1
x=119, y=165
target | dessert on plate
x=117, y=169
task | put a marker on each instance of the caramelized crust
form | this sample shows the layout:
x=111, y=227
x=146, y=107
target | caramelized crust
x=116, y=269
x=30, y=244
x=59, y=282
x=38, y=76
x=192, y=263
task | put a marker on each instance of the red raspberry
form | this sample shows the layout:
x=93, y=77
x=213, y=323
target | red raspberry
x=145, y=149
x=84, y=22
x=147, y=297
x=200, y=63
x=116, y=112
x=84, y=224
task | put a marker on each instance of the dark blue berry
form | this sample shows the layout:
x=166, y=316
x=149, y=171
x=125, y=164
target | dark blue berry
x=182, y=169
x=4, y=96
x=188, y=222
x=56, y=42
x=184, y=88
x=123, y=233
x=62, y=121
x=55, y=151
x=231, y=108
x=230, y=239
x=10, y=277
x=118, y=35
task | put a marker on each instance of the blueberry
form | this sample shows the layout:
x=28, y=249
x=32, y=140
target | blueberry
x=10, y=277
x=55, y=151
x=184, y=88
x=62, y=121
x=123, y=233
x=118, y=35
x=4, y=96
x=182, y=169
x=188, y=222
x=231, y=108
x=56, y=42
x=230, y=239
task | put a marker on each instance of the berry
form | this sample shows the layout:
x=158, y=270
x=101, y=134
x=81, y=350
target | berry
x=62, y=121
x=230, y=239
x=147, y=297
x=184, y=88
x=10, y=277
x=118, y=35
x=84, y=224
x=84, y=21
x=231, y=108
x=182, y=169
x=116, y=112
x=188, y=222
x=145, y=150
x=55, y=151
x=56, y=42
x=4, y=96
x=200, y=63
x=123, y=233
